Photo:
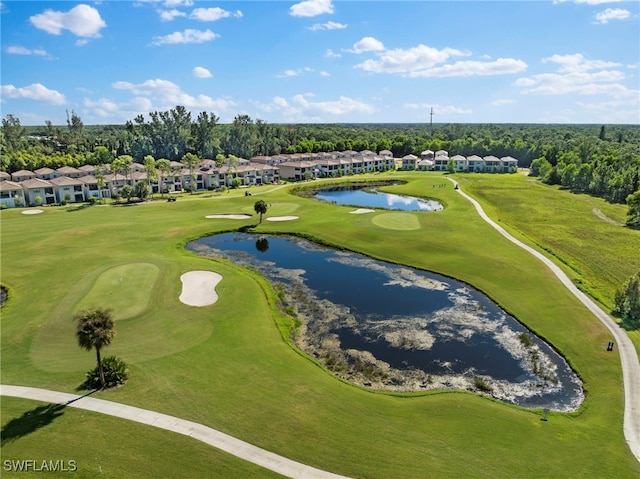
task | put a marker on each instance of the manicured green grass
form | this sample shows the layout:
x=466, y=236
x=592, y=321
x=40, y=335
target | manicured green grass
x=107, y=447
x=229, y=366
x=132, y=285
x=585, y=234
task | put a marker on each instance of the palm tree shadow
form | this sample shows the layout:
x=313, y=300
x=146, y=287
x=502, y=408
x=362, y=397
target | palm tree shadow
x=31, y=421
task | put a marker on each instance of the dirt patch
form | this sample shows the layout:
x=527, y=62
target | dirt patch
x=604, y=217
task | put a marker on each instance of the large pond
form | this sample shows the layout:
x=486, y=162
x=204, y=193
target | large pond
x=370, y=197
x=390, y=327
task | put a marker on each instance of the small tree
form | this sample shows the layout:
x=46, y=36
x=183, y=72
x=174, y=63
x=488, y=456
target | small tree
x=261, y=208
x=142, y=190
x=101, y=184
x=164, y=167
x=451, y=166
x=127, y=192
x=95, y=331
x=633, y=214
x=627, y=301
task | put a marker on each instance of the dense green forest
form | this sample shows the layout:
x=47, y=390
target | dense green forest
x=596, y=159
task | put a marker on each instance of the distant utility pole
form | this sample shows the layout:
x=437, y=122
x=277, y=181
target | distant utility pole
x=431, y=122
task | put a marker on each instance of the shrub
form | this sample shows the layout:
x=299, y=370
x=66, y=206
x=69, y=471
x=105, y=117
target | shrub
x=525, y=339
x=481, y=385
x=116, y=373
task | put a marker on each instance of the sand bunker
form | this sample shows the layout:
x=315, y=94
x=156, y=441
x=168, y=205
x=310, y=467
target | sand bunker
x=282, y=218
x=199, y=288
x=32, y=212
x=229, y=217
x=361, y=211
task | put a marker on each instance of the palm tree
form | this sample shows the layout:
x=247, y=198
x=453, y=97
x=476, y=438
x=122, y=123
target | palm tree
x=95, y=330
x=261, y=208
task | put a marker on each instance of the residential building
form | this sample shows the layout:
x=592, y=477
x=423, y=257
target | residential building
x=11, y=194
x=68, y=189
x=38, y=192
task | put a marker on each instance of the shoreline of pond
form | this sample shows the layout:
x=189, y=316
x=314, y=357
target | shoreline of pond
x=371, y=369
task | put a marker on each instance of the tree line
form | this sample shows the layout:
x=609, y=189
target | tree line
x=599, y=160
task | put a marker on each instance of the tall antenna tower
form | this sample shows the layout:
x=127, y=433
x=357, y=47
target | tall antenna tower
x=431, y=122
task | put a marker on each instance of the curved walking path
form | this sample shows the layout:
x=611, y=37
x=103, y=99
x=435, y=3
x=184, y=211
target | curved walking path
x=628, y=355
x=200, y=432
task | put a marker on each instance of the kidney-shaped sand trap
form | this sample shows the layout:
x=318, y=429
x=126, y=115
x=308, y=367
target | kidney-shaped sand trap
x=32, y=212
x=361, y=211
x=199, y=288
x=229, y=217
x=282, y=218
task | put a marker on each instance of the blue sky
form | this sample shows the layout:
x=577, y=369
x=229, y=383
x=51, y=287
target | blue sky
x=563, y=61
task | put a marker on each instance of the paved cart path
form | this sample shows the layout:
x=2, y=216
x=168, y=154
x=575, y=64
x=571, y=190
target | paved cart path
x=628, y=355
x=200, y=432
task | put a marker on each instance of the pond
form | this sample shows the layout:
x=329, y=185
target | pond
x=395, y=328
x=370, y=197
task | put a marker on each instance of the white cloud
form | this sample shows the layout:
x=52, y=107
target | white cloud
x=501, y=66
x=82, y=20
x=331, y=54
x=201, y=72
x=328, y=26
x=213, y=14
x=424, y=61
x=36, y=92
x=188, y=36
x=578, y=63
x=169, y=15
x=171, y=94
x=413, y=60
x=597, y=2
x=294, y=73
x=588, y=2
x=300, y=109
x=338, y=107
x=612, y=14
x=105, y=108
x=439, y=109
x=502, y=101
x=178, y=3
x=288, y=74
x=576, y=74
x=367, y=44
x=311, y=8
x=324, y=74
x=280, y=102
x=20, y=50
x=615, y=111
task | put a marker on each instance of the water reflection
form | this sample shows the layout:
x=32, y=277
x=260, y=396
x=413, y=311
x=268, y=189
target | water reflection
x=368, y=197
x=390, y=327
x=262, y=245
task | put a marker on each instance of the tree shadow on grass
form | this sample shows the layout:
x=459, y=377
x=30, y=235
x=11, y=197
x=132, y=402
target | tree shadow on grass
x=32, y=420
x=248, y=228
x=78, y=207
